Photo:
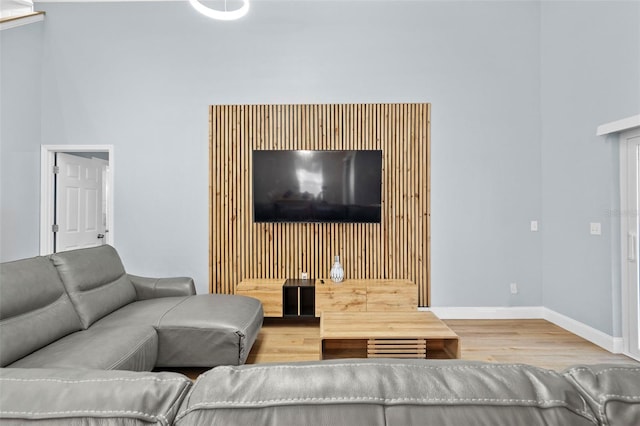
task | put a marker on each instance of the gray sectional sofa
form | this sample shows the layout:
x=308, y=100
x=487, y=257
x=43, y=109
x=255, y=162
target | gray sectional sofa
x=80, y=309
x=73, y=323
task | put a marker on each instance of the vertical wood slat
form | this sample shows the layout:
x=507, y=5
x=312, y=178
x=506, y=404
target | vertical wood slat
x=398, y=247
x=212, y=226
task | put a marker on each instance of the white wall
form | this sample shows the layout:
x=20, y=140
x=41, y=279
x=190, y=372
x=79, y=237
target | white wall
x=590, y=68
x=141, y=75
x=20, y=105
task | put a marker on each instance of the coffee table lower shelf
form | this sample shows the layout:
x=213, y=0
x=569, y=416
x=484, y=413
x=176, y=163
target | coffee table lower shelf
x=386, y=335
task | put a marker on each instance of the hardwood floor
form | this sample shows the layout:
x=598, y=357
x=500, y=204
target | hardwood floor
x=535, y=342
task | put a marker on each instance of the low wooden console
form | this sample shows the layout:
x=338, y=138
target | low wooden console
x=349, y=295
x=386, y=335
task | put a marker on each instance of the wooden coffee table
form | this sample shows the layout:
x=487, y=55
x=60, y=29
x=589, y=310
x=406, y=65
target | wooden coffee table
x=386, y=334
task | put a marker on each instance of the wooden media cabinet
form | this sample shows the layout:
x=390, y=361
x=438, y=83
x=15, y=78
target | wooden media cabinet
x=347, y=296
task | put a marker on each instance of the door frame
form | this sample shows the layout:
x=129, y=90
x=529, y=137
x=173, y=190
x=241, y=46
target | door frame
x=47, y=194
x=628, y=211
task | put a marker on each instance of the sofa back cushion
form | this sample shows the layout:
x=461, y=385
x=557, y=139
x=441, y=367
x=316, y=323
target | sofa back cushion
x=63, y=397
x=384, y=392
x=35, y=309
x=613, y=391
x=95, y=280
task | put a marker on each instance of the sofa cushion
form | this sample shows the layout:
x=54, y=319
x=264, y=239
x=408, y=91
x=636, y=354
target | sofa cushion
x=612, y=390
x=34, y=308
x=89, y=397
x=198, y=331
x=144, y=312
x=209, y=330
x=118, y=348
x=383, y=392
x=95, y=280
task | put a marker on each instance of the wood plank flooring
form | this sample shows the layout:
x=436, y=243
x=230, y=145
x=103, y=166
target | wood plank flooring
x=535, y=342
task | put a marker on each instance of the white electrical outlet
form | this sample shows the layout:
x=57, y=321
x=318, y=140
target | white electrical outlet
x=595, y=228
x=304, y=275
x=534, y=226
x=514, y=288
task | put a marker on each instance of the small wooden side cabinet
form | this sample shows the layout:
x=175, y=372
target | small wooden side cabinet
x=268, y=291
x=366, y=295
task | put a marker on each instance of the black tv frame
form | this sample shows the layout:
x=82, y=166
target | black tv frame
x=353, y=214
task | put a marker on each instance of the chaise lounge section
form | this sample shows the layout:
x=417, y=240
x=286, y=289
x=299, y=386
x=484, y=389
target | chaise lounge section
x=80, y=309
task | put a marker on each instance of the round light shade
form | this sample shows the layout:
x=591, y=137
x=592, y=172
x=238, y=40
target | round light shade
x=223, y=15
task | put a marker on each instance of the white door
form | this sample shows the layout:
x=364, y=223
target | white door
x=630, y=224
x=80, y=211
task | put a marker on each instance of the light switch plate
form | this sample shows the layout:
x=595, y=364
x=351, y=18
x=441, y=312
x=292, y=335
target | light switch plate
x=534, y=226
x=595, y=228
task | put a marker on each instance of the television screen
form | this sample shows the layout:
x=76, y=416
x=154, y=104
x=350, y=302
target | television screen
x=317, y=186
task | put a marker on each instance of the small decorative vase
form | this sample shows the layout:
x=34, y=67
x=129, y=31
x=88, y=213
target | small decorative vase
x=337, y=273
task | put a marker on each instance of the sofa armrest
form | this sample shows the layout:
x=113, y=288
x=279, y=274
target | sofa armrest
x=89, y=397
x=151, y=288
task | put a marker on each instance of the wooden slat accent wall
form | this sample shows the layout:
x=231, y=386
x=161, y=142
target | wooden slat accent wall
x=399, y=247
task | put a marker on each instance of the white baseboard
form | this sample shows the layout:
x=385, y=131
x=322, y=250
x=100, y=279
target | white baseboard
x=597, y=337
x=612, y=344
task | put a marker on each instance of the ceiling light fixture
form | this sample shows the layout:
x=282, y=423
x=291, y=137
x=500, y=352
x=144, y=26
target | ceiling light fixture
x=222, y=15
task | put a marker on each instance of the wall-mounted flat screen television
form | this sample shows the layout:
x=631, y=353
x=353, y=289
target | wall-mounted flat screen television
x=317, y=186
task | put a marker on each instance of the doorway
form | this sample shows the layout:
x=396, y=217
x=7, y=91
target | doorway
x=76, y=197
x=630, y=226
